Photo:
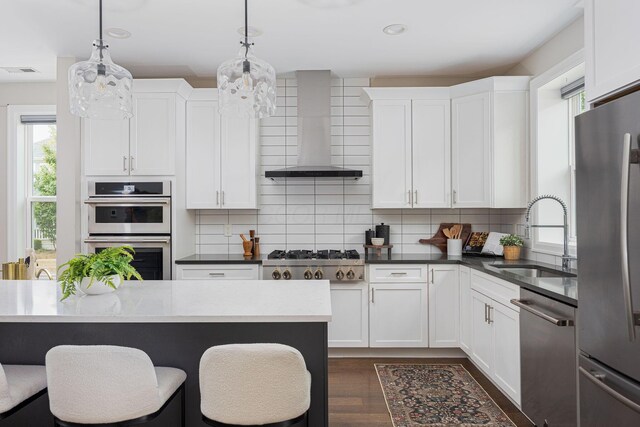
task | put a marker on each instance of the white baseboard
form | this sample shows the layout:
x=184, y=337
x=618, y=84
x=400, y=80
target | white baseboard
x=396, y=352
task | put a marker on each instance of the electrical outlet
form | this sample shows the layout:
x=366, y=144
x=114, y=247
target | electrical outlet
x=227, y=230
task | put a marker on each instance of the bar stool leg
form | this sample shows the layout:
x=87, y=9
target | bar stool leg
x=183, y=402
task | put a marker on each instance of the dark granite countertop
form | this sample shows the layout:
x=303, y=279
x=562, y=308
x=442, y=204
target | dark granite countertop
x=562, y=289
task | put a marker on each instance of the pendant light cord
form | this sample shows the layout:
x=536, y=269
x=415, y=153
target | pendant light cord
x=100, y=20
x=245, y=43
x=100, y=42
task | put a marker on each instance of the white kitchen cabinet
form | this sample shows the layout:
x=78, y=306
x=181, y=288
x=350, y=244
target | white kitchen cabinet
x=221, y=156
x=466, y=320
x=411, y=147
x=398, y=315
x=391, y=154
x=444, y=306
x=495, y=343
x=612, y=51
x=152, y=146
x=217, y=272
x=488, y=143
x=146, y=144
x=349, y=326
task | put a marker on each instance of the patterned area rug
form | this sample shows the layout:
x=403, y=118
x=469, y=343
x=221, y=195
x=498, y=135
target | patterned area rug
x=437, y=395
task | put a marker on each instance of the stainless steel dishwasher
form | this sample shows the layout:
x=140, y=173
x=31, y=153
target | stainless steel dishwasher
x=548, y=360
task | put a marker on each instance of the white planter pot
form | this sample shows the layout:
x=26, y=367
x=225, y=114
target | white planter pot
x=98, y=287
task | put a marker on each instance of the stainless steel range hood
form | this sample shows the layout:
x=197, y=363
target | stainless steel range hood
x=314, y=131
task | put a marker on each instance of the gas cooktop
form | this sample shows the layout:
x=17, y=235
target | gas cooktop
x=331, y=265
x=311, y=255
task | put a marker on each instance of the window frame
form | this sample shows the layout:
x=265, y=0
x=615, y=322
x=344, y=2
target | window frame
x=535, y=85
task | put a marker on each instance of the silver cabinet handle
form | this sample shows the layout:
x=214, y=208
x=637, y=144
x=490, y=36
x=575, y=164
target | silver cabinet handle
x=624, y=235
x=415, y=197
x=432, y=277
x=217, y=197
x=216, y=274
x=486, y=315
x=489, y=317
x=124, y=163
x=455, y=196
x=373, y=295
x=165, y=241
x=410, y=201
x=597, y=379
x=222, y=198
x=127, y=201
x=526, y=306
x=131, y=163
x=398, y=273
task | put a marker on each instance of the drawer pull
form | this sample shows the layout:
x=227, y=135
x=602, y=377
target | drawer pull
x=399, y=273
x=216, y=274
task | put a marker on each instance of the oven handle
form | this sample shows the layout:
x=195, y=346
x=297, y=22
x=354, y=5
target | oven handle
x=126, y=201
x=166, y=241
x=526, y=305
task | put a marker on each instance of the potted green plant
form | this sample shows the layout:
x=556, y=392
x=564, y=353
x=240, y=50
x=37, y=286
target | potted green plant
x=512, y=245
x=97, y=273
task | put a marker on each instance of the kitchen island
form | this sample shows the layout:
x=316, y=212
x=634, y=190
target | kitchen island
x=174, y=322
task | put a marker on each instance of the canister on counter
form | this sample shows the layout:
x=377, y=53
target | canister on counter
x=368, y=235
x=383, y=231
x=9, y=271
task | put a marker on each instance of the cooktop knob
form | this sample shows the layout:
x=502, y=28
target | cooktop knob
x=350, y=274
x=286, y=275
x=276, y=274
x=318, y=274
x=339, y=274
x=308, y=275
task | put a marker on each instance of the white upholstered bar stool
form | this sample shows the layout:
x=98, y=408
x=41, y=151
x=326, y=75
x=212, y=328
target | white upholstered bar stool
x=19, y=386
x=254, y=385
x=109, y=386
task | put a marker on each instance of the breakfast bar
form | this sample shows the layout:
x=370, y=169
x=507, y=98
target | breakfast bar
x=174, y=322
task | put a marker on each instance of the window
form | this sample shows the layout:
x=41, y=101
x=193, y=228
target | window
x=557, y=97
x=40, y=188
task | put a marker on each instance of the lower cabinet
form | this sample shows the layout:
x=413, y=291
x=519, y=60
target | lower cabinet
x=349, y=326
x=444, y=319
x=495, y=337
x=398, y=315
x=465, y=309
x=217, y=272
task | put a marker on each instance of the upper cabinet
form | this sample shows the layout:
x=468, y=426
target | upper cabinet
x=462, y=147
x=612, y=51
x=489, y=143
x=145, y=145
x=411, y=147
x=221, y=159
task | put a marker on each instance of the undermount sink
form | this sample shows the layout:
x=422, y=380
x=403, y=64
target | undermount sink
x=533, y=271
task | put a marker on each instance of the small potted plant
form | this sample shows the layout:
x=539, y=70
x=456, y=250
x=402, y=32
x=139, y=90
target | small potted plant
x=512, y=244
x=97, y=273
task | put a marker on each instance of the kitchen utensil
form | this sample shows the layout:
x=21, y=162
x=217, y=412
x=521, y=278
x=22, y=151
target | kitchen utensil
x=256, y=247
x=383, y=231
x=377, y=241
x=368, y=235
x=447, y=233
x=252, y=235
x=439, y=239
x=455, y=231
x=247, y=245
x=244, y=238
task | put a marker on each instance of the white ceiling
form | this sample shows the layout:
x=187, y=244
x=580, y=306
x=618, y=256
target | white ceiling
x=190, y=38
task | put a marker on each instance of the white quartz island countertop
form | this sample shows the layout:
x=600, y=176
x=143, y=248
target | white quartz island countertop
x=178, y=301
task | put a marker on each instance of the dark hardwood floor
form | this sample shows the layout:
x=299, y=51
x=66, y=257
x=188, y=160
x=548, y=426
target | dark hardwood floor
x=356, y=399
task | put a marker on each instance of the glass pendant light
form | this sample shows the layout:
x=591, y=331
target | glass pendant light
x=99, y=88
x=246, y=84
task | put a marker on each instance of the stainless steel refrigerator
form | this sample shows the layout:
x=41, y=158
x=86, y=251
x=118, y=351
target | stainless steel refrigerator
x=608, y=230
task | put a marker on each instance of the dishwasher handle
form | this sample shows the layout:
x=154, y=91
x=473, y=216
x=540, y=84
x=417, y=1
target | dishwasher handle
x=526, y=306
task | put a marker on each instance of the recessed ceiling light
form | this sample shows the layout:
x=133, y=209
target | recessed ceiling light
x=253, y=31
x=395, y=29
x=118, y=33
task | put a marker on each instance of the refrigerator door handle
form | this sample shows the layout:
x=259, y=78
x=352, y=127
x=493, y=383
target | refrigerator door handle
x=598, y=380
x=624, y=236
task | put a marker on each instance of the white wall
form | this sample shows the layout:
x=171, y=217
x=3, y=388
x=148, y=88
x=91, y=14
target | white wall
x=16, y=94
x=567, y=42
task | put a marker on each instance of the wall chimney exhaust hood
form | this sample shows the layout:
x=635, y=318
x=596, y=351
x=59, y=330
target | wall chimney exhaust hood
x=314, y=131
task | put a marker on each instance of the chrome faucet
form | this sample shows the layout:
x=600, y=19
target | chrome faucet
x=565, y=226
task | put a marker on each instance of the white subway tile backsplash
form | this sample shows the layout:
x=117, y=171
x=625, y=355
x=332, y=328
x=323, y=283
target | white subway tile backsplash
x=329, y=213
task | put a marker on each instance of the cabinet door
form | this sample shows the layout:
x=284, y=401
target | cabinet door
x=398, y=315
x=349, y=326
x=482, y=333
x=431, y=158
x=106, y=147
x=153, y=134
x=391, y=164
x=471, y=151
x=612, y=51
x=465, y=310
x=203, y=155
x=238, y=163
x=506, y=330
x=444, y=301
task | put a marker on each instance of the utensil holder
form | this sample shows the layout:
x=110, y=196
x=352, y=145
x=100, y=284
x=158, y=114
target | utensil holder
x=454, y=247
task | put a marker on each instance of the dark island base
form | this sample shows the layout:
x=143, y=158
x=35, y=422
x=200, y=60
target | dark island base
x=177, y=345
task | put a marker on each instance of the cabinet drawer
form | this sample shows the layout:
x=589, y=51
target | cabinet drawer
x=398, y=273
x=498, y=290
x=214, y=272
